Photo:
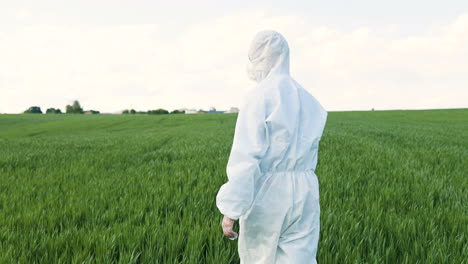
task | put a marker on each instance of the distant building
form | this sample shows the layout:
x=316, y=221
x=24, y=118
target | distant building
x=232, y=110
x=91, y=112
x=213, y=111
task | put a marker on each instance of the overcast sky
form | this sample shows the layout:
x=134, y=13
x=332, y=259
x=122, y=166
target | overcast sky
x=143, y=54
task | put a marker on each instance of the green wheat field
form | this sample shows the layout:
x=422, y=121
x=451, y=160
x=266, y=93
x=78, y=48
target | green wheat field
x=141, y=188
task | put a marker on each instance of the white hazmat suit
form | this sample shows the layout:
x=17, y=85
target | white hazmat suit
x=272, y=187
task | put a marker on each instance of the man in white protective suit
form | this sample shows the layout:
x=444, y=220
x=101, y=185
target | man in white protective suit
x=272, y=187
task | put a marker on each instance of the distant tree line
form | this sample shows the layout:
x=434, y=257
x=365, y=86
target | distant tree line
x=74, y=108
x=159, y=111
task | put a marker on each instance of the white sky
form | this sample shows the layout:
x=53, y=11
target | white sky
x=142, y=54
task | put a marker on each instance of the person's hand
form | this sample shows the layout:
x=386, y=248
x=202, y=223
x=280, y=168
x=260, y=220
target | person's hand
x=228, y=225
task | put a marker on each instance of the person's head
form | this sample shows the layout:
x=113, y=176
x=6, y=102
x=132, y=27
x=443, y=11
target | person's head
x=268, y=54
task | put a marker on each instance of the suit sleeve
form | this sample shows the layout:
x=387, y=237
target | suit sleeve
x=249, y=146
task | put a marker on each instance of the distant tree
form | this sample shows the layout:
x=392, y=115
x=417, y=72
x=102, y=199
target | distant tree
x=141, y=113
x=53, y=111
x=33, y=110
x=132, y=112
x=159, y=111
x=75, y=108
x=178, y=112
